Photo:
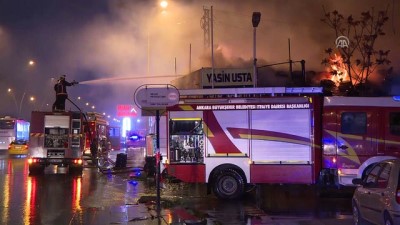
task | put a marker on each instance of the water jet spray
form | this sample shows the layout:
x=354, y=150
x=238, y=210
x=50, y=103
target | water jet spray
x=106, y=80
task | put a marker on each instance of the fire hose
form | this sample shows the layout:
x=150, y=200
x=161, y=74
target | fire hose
x=104, y=154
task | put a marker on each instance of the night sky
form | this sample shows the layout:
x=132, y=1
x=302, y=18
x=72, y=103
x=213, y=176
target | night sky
x=99, y=39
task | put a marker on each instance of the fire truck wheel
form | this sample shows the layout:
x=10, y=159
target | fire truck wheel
x=228, y=184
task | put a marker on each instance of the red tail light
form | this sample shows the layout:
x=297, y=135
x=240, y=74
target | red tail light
x=25, y=146
x=32, y=160
x=78, y=161
x=398, y=195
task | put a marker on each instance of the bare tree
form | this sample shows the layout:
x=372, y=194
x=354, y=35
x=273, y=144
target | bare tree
x=359, y=59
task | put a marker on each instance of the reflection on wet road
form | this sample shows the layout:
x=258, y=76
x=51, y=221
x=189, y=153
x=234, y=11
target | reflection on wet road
x=112, y=198
x=36, y=200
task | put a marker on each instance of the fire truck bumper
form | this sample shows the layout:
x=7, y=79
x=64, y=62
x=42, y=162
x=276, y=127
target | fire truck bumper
x=338, y=177
x=346, y=176
x=56, y=161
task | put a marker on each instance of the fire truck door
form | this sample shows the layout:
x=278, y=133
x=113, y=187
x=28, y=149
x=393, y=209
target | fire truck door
x=356, y=137
x=391, y=139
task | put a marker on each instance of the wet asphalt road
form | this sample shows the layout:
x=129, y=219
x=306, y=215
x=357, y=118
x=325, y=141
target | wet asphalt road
x=125, y=197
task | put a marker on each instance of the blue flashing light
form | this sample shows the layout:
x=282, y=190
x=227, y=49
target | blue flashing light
x=133, y=182
x=109, y=173
x=134, y=137
x=396, y=98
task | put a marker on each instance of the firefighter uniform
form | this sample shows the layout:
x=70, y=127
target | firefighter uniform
x=61, y=93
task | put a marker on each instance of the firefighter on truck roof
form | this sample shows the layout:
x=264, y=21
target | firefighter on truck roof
x=61, y=93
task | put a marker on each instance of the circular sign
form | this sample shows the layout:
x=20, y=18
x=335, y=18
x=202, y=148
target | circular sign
x=156, y=96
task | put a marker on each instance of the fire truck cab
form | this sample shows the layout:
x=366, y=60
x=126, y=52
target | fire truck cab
x=357, y=132
x=56, y=138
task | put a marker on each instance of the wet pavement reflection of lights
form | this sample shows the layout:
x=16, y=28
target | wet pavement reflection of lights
x=5, y=199
x=76, y=193
x=30, y=200
x=114, y=197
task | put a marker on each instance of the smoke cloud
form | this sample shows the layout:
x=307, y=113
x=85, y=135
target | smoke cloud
x=137, y=39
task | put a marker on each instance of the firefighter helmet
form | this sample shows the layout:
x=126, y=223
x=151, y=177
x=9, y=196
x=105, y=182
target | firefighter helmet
x=62, y=77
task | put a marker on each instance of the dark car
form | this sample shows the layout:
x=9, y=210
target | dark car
x=377, y=197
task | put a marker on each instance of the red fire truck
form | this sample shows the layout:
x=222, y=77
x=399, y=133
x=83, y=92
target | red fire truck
x=115, y=137
x=97, y=131
x=229, y=138
x=356, y=133
x=56, y=138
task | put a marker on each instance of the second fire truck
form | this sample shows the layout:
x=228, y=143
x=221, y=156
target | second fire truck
x=56, y=138
x=62, y=139
x=229, y=138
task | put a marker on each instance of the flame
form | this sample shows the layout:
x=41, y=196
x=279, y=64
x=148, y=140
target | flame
x=338, y=70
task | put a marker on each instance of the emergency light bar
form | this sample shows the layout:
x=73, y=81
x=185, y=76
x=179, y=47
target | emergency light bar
x=396, y=98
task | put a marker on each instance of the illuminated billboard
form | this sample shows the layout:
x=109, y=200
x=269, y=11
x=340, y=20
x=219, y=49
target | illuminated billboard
x=126, y=111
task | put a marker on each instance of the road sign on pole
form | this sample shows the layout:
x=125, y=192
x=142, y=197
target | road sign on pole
x=156, y=98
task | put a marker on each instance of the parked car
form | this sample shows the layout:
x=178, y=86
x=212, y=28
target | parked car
x=377, y=197
x=18, y=147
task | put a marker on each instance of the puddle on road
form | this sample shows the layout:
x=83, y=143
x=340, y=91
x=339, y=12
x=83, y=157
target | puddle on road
x=97, y=198
x=304, y=201
x=270, y=202
x=189, y=203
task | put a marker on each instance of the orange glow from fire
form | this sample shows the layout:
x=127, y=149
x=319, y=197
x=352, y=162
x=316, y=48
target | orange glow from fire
x=337, y=65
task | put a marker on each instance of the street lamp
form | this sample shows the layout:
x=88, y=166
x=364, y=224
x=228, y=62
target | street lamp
x=164, y=4
x=255, y=20
x=14, y=98
x=31, y=99
x=19, y=107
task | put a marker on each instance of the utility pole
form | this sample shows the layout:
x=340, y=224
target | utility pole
x=205, y=25
x=212, y=48
x=255, y=20
x=290, y=63
x=303, y=70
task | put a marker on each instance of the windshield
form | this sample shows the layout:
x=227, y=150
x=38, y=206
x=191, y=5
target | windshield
x=19, y=142
x=7, y=124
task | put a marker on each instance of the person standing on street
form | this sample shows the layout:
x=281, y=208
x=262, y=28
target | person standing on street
x=61, y=93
